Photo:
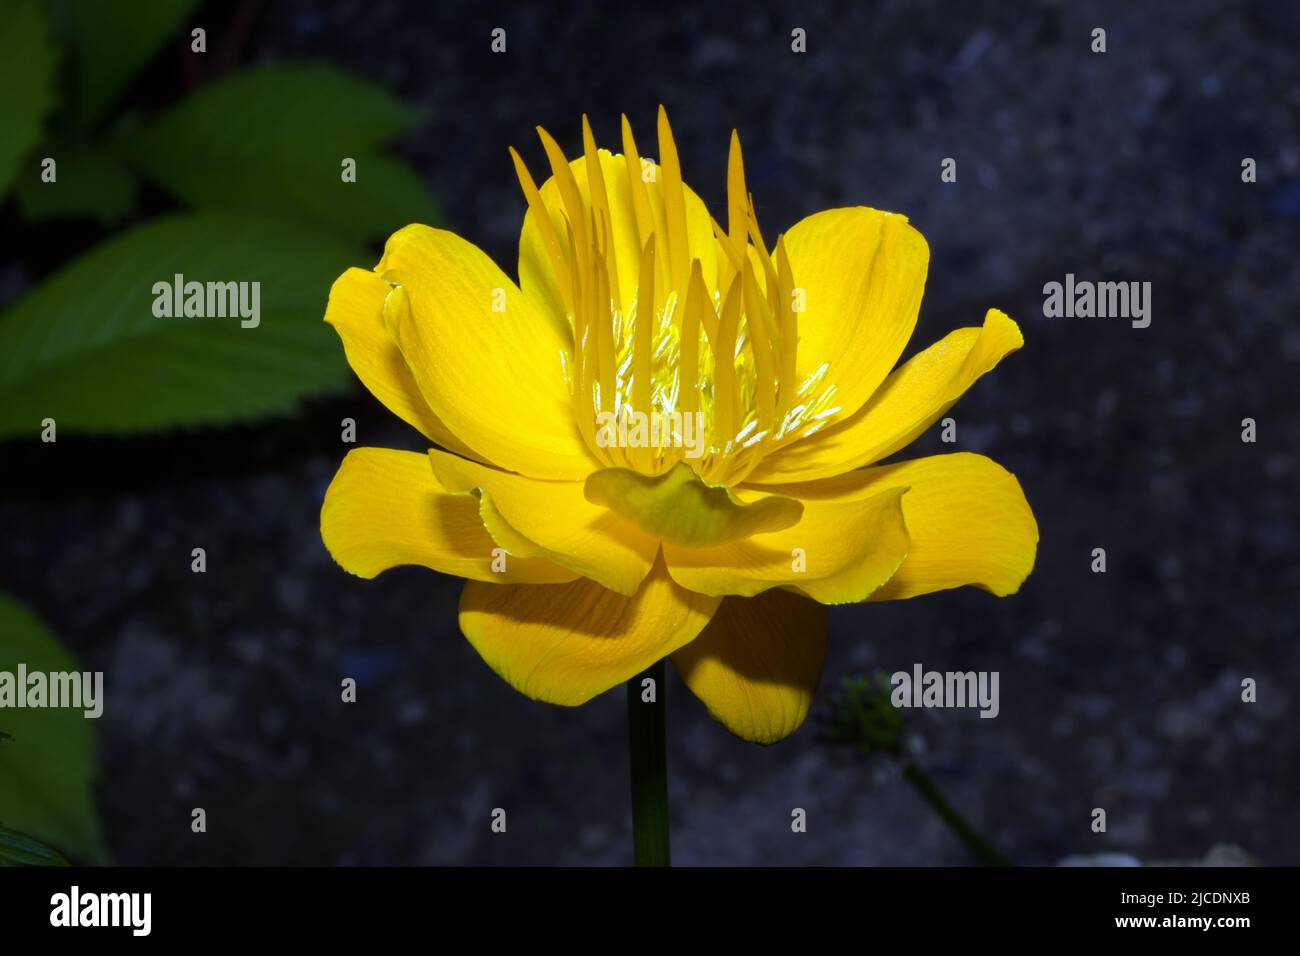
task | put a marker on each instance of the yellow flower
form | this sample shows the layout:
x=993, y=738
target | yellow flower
x=598, y=536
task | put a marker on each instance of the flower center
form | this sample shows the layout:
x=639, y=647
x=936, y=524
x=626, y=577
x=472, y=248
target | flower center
x=688, y=363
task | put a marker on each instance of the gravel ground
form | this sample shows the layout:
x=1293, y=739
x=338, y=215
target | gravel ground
x=1119, y=690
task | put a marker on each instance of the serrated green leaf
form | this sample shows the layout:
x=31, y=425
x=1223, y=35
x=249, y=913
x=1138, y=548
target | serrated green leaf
x=90, y=185
x=19, y=850
x=27, y=66
x=86, y=349
x=111, y=42
x=274, y=140
x=48, y=764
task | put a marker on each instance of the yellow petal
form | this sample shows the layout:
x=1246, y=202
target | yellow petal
x=384, y=508
x=535, y=272
x=758, y=663
x=967, y=518
x=913, y=398
x=680, y=508
x=488, y=362
x=556, y=520
x=566, y=643
x=840, y=551
x=356, y=310
x=862, y=272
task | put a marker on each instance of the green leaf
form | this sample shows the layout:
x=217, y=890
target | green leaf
x=112, y=41
x=274, y=139
x=90, y=185
x=86, y=349
x=27, y=65
x=48, y=764
x=18, y=850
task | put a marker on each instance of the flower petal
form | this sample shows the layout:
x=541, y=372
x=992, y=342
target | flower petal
x=487, y=360
x=862, y=272
x=969, y=522
x=758, y=663
x=556, y=520
x=680, y=508
x=913, y=398
x=384, y=508
x=839, y=552
x=566, y=643
x=966, y=515
x=356, y=310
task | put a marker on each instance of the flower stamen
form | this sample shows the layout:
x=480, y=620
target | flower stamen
x=720, y=343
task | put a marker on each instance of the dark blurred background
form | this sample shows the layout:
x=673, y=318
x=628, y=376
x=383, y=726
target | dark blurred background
x=1118, y=690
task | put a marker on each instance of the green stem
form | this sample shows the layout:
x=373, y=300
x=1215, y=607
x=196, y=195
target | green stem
x=978, y=845
x=648, y=760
